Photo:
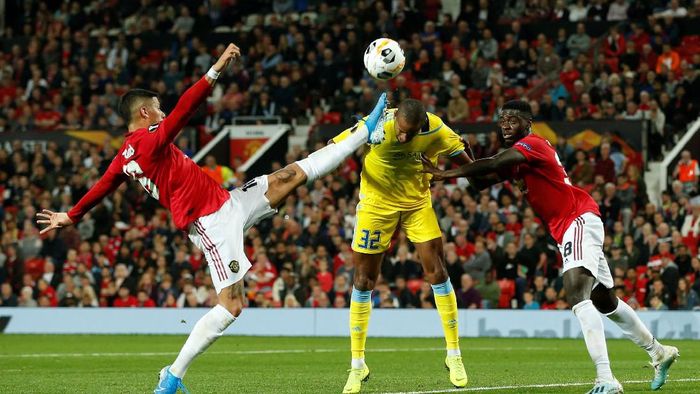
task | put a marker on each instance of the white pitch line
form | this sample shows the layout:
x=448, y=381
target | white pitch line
x=268, y=351
x=529, y=386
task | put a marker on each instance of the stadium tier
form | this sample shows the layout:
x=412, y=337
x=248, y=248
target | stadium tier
x=63, y=68
x=470, y=157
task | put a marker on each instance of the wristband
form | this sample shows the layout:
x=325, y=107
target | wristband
x=213, y=74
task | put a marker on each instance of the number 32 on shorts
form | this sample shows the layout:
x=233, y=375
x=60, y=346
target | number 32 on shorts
x=369, y=240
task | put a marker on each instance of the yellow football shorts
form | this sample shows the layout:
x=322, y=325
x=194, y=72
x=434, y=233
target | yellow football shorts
x=375, y=227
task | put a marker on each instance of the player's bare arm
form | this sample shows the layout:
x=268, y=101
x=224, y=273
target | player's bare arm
x=479, y=168
x=477, y=182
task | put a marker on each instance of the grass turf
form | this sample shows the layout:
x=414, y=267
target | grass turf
x=129, y=364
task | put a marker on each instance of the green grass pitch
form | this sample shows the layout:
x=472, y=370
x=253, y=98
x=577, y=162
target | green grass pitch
x=129, y=364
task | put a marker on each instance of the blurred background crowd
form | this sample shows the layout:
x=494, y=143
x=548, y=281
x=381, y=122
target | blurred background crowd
x=64, y=65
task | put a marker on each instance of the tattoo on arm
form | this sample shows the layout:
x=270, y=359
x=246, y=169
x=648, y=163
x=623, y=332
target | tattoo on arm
x=285, y=175
x=236, y=290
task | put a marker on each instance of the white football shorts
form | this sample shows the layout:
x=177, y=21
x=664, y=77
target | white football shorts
x=220, y=234
x=582, y=246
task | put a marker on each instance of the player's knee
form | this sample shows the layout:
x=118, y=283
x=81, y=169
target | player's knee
x=232, y=298
x=235, y=307
x=575, y=297
x=439, y=275
x=604, y=299
x=363, y=282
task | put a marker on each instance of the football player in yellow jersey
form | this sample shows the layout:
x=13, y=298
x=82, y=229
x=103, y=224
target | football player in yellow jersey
x=394, y=191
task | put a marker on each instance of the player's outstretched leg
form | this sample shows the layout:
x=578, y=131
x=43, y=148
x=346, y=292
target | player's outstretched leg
x=207, y=330
x=326, y=159
x=662, y=357
x=578, y=283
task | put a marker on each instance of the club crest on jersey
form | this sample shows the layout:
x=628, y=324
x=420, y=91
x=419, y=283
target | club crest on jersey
x=128, y=152
x=524, y=145
x=234, y=266
x=153, y=127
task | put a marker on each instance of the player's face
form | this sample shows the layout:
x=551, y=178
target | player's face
x=513, y=127
x=155, y=113
x=405, y=131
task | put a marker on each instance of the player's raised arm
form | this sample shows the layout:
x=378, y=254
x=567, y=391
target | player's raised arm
x=172, y=124
x=107, y=184
x=478, y=168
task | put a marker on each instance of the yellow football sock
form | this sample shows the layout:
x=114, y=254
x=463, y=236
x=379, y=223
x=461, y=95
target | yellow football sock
x=360, y=308
x=446, y=302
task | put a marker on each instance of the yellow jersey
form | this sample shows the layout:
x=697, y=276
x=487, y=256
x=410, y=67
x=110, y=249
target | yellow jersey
x=391, y=173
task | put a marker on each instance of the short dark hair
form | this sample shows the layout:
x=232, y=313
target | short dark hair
x=520, y=106
x=413, y=111
x=132, y=98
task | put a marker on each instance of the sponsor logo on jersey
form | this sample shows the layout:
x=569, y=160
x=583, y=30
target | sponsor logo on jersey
x=524, y=145
x=153, y=127
x=414, y=156
x=234, y=266
x=128, y=152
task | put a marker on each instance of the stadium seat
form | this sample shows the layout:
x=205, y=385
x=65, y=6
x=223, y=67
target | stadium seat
x=414, y=285
x=613, y=63
x=251, y=21
x=474, y=94
x=34, y=267
x=507, y=293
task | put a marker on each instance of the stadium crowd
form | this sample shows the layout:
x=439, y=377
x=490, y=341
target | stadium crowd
x=65, y=69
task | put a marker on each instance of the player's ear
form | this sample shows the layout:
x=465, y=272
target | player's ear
x=143, y=112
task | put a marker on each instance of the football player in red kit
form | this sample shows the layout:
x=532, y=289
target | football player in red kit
x=573, y=219
x=214, y=218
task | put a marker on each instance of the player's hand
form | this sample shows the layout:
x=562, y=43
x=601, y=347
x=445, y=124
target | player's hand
x=53, y=219
x=232, y=52
x=430, y=168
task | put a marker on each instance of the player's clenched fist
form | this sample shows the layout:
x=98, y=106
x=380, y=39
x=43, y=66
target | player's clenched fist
x=232, y=52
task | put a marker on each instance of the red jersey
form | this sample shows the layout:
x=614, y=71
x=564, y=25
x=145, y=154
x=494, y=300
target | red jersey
x=149, y=156
x=547, y=186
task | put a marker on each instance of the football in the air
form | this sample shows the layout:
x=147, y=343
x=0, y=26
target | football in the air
x=384, y=58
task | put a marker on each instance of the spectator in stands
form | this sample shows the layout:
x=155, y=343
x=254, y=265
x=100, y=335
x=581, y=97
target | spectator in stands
x=617, y=10
x=7, y=297
x=26, y=298
x=669, y=59
x=579, y=42
x=76, y=83
x=529, y=302
x=604, y=165
x=479, y=263
x=687, y=298
x=457, y=109
x=550, y=299
x=490, y=291
x=687, y=171
x=674, y=10
x=597, y=11
x=578, y=11
x=223, y=175
x=548, y=64
x=468, y=296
